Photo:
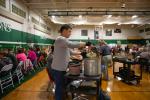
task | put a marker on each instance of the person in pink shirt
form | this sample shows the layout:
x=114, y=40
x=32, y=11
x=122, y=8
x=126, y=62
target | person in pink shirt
x=32, y=56
x=21, y=56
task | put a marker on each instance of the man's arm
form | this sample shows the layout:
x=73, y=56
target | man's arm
x=66, y=43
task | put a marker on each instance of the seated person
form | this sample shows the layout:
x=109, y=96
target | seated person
x=32, y=56
x=9, y=54
x=4, y=61
x=21, y=56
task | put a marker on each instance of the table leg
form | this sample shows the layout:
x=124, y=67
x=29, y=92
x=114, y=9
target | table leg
x=97, y=91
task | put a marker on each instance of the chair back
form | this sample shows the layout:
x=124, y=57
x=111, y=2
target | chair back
x=7, y=67
x=27, y=64
x=20, y=64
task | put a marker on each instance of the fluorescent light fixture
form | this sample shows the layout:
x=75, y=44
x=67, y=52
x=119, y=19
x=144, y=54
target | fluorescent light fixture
x=109, y=16
x=100, y=23
x=119, y=24
x=53, y=16
x=134, y=16
x=80, y=16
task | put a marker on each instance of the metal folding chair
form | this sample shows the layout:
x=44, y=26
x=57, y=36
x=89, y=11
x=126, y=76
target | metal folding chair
x=18, y=72
x=6, y=77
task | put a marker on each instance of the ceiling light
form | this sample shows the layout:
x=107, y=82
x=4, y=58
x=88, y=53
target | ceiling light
x=134, y=16
x=119, y=24
x=80, y=16
x=100, y=23
x=53, y=16
x=109, y=16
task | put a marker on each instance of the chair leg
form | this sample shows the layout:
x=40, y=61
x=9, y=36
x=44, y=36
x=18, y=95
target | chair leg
x=18, y=78
x=32, y=69
x=42, y=65
x=39, y=65
x=12, y=80
x=1, y=86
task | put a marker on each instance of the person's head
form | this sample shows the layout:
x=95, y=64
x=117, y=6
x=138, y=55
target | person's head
x=65, y=30
x=31, y=48
x=37, y=49
x=1, y=54
x=5, y=51
x=20, y=50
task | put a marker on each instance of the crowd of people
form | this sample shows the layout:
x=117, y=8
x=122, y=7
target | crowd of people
x=28, y=60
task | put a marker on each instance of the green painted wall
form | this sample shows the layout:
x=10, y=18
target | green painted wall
x=19, y=36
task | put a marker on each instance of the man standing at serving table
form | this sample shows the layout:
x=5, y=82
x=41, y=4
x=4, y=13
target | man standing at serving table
x=61, y=59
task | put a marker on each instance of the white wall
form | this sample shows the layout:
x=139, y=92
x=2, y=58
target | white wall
x=19, y=23
x=12, y=24
x=145, y=35
x=126, y=32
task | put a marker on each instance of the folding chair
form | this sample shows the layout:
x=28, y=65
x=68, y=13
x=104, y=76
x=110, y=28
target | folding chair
x=18, y=72
x=27, y=66
x=6, y=77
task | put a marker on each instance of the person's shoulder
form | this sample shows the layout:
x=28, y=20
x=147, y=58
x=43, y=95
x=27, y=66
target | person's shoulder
x=60, y=38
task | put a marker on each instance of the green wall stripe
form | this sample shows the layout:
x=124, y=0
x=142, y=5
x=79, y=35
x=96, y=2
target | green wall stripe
x=19, y=36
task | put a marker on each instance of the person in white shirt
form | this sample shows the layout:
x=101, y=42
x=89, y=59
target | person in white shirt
x=61, y=59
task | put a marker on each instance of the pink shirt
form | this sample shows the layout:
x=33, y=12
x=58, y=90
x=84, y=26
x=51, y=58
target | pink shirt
x=31, y=55
x=21, y=57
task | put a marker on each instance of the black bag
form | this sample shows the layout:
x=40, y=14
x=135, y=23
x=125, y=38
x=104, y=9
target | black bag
x=103, y=95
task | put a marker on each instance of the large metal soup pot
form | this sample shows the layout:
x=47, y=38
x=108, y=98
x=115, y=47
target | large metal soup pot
x=92, y=66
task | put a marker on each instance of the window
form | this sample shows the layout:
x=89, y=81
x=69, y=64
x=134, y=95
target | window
x=108, y=32
x=117, y=30
x=3, y=3
x=147, y=29
x=35, y=21
x=49, y=29
x=96, y=35
x=18, y=11
x=43, y=25
x=141, y=31
x=84, y=33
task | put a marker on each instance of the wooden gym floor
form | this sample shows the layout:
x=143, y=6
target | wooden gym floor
x=36, y=89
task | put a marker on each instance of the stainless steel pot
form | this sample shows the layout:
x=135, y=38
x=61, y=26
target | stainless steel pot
x=92, y=66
